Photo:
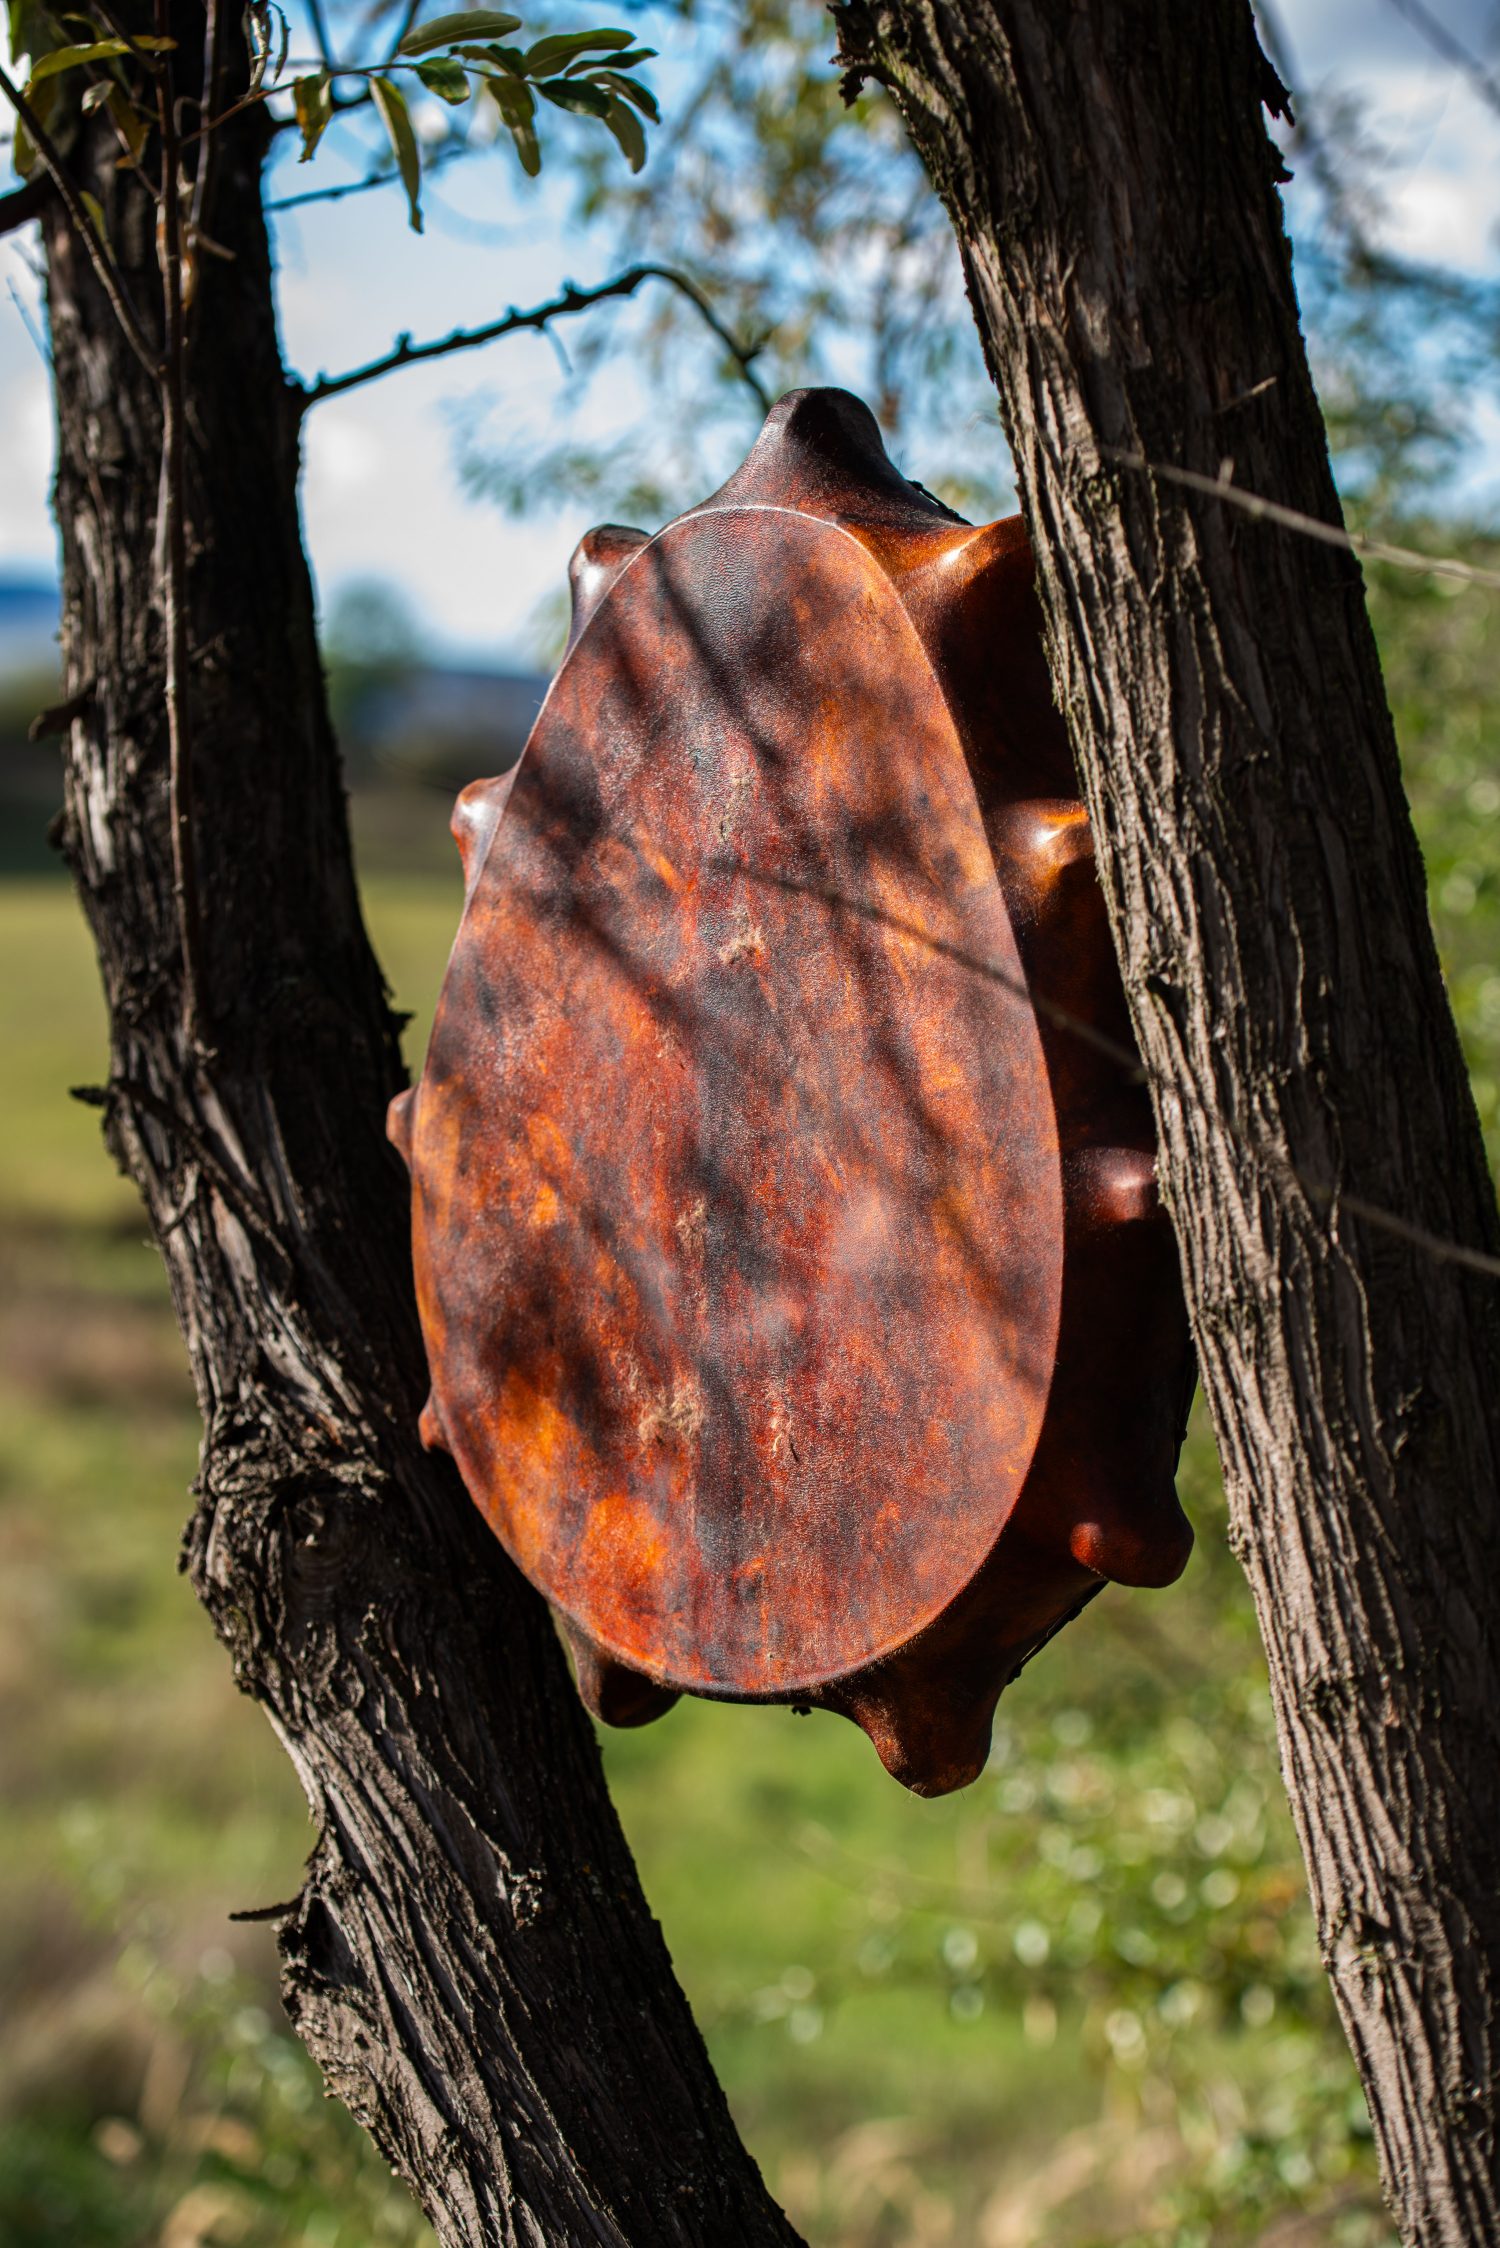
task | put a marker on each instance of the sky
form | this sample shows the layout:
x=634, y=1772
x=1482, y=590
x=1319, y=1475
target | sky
x=382, y=495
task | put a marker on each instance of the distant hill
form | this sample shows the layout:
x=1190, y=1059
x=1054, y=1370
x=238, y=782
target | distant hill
x=437, y=724
x=412, y=735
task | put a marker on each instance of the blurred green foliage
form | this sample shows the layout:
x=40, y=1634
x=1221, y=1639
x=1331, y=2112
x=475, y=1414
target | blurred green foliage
x=1079, y=2004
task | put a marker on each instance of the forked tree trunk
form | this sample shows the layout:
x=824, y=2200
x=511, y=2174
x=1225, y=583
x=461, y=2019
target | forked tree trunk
x=1113, y=189
x=470, y=1958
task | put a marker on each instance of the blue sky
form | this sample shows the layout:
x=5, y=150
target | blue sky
x=382, y=496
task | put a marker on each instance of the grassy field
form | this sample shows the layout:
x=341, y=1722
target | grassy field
x=1079, y=2004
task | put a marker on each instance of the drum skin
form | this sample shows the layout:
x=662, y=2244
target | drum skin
x=798, y=1304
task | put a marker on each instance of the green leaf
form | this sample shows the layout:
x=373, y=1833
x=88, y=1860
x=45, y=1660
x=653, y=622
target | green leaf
x=396, y=118
x=549, y=55
x=72, y=58
x=508, y=59
x=517, y=107
x=97, y=50
x=630, y=61
x=628, y=131
x=575, y=94
x=443, y=31
x=95, y=209
x=33, y=30
x=446, y=78
x=631, y=90
x=313, y=97
x=132, y=124
x=46, y=103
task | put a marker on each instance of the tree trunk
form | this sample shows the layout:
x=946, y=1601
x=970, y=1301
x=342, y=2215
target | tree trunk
x=470, y=1958
x=1114, y=194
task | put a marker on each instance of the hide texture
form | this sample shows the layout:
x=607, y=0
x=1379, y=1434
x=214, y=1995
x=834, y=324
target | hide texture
x=798, y=1302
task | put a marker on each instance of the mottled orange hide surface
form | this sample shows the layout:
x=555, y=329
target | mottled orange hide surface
x=798, y=1307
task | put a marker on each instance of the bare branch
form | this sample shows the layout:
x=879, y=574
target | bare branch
x=408, y=18
x=383, y=174
x=382, y=177
x=1290, y=519
x=200, y=206
x=173, y=548
x=98, y=250
x=320, y=32
x=571, y=300
x=1452, y=50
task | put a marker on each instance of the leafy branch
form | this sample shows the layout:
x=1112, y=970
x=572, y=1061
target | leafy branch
x=570, y=300
x=131, y=78
x=457, y=57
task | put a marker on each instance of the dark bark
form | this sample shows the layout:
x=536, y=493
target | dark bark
x=470, y=1958
x=1113, y=190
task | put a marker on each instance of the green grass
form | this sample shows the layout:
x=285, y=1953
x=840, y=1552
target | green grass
x=1079, y=2004
x=931, y=2018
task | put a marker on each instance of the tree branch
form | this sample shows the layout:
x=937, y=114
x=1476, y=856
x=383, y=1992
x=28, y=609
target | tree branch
x=383, y=175
x=99, y=257
x=24, y=204
x=408, y=18
x=571, y=300
x=469, y=1955
x=1267, y=895
x=202, y=177
x=174, y=552
x=381, y=178
x=1452, y=50
x=320, y=32
x=1292, y=519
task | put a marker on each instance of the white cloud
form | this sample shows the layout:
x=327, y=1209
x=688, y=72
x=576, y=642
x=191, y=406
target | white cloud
x=27, y=539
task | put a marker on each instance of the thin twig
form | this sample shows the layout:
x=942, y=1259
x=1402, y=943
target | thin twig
x=270, y=1912
x=1291, y=519
x=58, y=717
x=571, y=300
x=104, y=265
x=408, y=18
x=1330, y=1197
x=174, y=568
x=384, y=174
x=149, y=62
x=200, y=206
x=32, y=330
x=212, y=124
x=1452, y=50
x=235, y=1185
x=381, y=177
x=320, y=32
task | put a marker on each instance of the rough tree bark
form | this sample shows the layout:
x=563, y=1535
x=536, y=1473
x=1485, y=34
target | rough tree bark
x=1113, y=189
x=470, y=1957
